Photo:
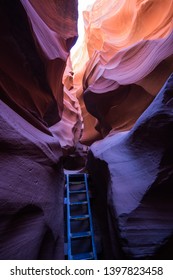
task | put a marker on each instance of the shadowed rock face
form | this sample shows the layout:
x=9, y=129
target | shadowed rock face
x=31, y=191
x=34, y=50
x=35, y=41
x=139, y=194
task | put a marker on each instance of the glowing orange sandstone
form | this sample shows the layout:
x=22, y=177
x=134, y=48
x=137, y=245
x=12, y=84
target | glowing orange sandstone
x=127, y=50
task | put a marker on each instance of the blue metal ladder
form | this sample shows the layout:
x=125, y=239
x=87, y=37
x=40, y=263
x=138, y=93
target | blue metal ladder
x=80, y=234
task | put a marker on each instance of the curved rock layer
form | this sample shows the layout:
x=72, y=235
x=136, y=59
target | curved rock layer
x=127, y=57
x=35, y=41
x=133, y=175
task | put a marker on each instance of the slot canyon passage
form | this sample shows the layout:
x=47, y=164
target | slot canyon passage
x=105, y=110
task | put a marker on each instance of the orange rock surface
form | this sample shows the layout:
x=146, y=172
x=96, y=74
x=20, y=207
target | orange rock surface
x=125, y=59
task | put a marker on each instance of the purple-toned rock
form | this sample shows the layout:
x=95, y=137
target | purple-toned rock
x=31, y=191
x=36, y=37
x=133, y=175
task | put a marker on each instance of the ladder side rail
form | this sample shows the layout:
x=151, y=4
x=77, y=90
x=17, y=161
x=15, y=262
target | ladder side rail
x=68, y=220
x=90, y=217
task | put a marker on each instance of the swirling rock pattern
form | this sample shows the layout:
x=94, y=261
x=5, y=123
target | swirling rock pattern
x=128, y=56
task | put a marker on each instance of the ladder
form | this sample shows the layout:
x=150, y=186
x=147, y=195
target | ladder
x=80, y=234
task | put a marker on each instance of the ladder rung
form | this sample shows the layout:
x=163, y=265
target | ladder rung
x=79, y=217
x=79, y=175
x=83, y=256
x=78, y=203
x=77, y=183
x=81, y=234
x=76, y=192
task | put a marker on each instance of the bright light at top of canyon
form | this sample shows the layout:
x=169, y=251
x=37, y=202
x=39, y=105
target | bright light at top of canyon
x=82, y=6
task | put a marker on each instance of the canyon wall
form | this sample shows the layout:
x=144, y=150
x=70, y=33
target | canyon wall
x=36, y=37
x=132, y=174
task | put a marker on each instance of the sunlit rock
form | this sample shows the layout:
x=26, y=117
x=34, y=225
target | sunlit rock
x=69, y=129
x=127, y=56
